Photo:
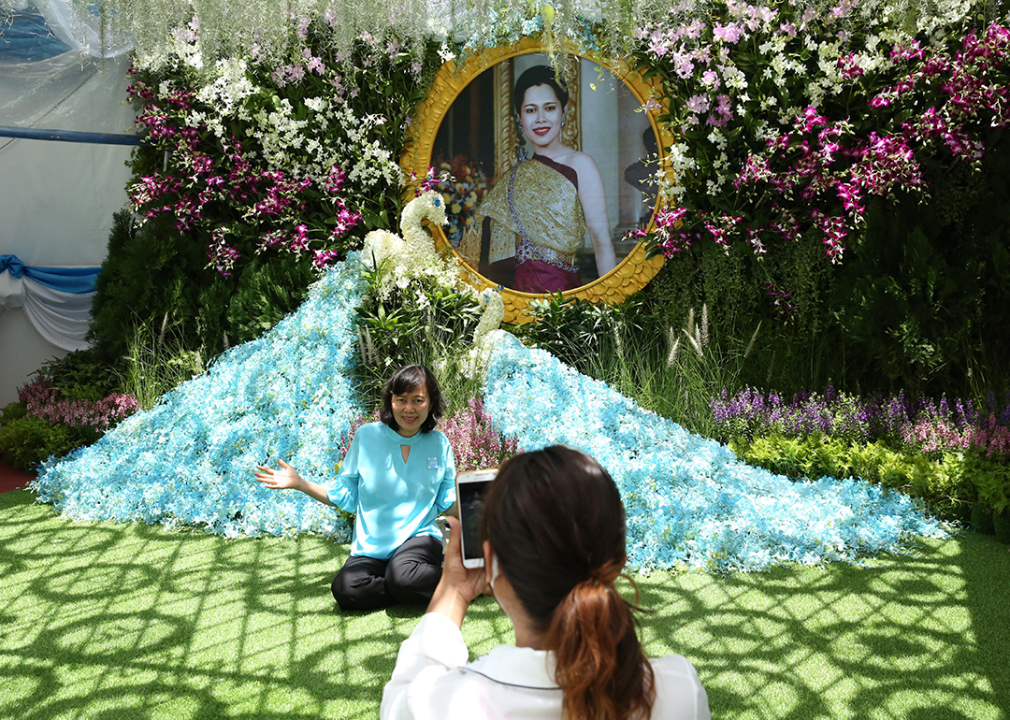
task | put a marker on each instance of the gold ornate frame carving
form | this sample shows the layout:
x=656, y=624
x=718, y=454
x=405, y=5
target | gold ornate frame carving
x=634, y=271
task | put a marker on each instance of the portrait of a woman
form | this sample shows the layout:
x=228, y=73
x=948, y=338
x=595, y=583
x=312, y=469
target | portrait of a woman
x=530, y=226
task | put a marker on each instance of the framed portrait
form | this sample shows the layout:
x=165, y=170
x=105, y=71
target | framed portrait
x=550, y=164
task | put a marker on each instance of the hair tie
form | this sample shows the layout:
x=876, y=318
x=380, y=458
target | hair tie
x=607, y=573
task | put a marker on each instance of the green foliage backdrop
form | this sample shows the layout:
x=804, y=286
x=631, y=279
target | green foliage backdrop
x=915, y=299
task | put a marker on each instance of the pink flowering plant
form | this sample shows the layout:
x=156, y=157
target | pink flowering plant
x=46, y=420
x=792, y=117
x=919, y=425
x=476, y=443
x=950, y=452
x=45, y=401
x=259, y=157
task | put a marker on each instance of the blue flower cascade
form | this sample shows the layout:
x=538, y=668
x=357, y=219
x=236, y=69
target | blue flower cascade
x=190, y=460
x=690, y=502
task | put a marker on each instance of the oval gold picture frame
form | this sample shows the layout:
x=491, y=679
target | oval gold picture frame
x=630, y=275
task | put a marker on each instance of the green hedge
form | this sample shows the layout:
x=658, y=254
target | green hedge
x=949, y=482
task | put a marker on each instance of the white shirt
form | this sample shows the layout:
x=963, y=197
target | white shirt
x=433, y=681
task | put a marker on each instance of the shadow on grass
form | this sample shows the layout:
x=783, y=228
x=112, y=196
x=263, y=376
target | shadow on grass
x=102, y=620
x=99, y=620
x=900, y=637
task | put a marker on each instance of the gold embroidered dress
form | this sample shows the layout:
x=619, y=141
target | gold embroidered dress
x=537, y=220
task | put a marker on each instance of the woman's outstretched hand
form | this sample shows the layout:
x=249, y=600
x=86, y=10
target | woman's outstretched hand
x=281, y=479
x=286, y=477
x=459, y=585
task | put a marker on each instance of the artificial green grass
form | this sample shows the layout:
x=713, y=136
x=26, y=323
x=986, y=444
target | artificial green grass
x=102, y=621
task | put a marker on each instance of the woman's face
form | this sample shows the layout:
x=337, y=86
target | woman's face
x=410, y=410
x=540, y=116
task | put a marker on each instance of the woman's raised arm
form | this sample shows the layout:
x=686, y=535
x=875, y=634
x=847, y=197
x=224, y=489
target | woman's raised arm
x=594, y=207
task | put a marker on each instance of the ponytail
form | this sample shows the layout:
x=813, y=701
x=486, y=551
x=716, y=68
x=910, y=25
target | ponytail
x=556, y=522
x=600, y=666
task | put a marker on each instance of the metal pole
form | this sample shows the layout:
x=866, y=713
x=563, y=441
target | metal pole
x=71, y=136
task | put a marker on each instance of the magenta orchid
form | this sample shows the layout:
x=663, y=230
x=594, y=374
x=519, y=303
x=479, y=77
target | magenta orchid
x=789, y=121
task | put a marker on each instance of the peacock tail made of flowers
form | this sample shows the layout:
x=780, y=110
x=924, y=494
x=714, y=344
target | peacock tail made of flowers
x=190, y=459
x=288, y=395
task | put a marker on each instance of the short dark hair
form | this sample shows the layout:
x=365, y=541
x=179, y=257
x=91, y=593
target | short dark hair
x=407, y=378
x=538, y=75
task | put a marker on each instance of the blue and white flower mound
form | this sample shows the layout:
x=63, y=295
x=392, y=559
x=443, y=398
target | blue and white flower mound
x=288, y=395
x=191, y=458
x=689, y=501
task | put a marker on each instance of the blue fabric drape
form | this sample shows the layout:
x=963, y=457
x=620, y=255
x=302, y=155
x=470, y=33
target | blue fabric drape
x=12, y=264
x=28, y=38
x=75, y=281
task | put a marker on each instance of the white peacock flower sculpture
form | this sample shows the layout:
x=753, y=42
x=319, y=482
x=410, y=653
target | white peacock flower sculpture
x=414, y=256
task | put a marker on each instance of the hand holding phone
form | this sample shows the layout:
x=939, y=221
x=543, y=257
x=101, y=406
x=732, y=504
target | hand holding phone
x=471, y=487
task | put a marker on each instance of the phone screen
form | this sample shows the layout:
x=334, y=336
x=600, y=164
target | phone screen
x=471, y=507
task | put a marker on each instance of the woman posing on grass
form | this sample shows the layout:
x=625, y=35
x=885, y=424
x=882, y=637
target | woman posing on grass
x=555, y=545
x=398, y=475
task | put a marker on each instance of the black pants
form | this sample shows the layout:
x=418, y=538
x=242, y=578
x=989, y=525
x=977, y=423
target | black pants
x=409, y=577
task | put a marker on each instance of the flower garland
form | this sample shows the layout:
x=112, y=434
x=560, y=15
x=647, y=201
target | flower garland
x=689, y=501
x=463, y=187
x=265, y=27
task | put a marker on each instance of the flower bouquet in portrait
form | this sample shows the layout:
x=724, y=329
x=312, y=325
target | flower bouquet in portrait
x=462, y=190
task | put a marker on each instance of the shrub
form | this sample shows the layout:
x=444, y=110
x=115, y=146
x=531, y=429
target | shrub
x=81, y=375
x=668, y=369
x=47, y=422
x=990, y=480
x=946, y=483
x=27, y=441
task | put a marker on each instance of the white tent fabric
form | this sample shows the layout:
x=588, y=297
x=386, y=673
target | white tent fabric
x=61, y=318
x=80, y=28
x=56, y=198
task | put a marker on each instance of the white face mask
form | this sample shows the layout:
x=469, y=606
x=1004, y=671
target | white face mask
x=495, y=572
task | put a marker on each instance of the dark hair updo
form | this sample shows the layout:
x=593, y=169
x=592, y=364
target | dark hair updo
x=556, y=522
x=538, y=75
x=403, y=381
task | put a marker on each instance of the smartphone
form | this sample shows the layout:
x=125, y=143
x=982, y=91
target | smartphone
x=471, y=487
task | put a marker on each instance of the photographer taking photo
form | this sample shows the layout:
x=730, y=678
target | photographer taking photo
x=555, y=545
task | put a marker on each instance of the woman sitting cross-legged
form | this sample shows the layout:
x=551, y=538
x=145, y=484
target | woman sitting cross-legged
x=398, y=475
x=555, y=544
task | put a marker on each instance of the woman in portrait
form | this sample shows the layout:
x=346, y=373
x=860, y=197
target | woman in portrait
x=530, y=226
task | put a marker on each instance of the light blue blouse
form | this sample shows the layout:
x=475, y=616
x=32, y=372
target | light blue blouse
x=392, y=499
